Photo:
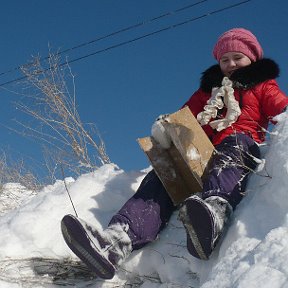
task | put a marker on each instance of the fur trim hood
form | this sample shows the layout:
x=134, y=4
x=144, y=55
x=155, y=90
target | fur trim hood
x=244, y=78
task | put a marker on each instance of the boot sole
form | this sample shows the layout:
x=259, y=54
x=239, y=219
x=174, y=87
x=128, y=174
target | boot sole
x=80, y=243
x=199, y=229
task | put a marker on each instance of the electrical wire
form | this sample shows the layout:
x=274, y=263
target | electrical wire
x=125, y=29
x=137, y=38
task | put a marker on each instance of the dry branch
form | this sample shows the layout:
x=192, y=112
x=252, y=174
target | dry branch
x=58, y=123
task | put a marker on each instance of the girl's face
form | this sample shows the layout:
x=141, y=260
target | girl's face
x=232, y=61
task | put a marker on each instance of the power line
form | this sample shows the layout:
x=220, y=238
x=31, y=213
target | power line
x=138, y=38
x=125, y=29
x=154, y=32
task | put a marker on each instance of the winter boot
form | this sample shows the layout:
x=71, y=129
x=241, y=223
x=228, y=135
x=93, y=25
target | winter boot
x=101, y=250
x=204, y=221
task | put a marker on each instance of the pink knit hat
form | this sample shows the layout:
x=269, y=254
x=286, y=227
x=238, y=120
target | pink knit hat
x=238, y=40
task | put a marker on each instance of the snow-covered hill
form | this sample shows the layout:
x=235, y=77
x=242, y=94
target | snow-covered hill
x=253, y=253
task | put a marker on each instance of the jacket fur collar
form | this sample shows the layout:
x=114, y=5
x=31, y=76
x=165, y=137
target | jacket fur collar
x=244, y=78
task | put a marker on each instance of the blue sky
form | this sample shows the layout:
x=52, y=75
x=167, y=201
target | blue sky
x=124, y=89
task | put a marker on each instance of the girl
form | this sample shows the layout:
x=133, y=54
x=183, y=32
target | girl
x=236, y=99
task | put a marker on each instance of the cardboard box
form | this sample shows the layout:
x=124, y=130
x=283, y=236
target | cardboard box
x=183, y=165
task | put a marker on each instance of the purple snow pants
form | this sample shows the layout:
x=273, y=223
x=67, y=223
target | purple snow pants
x=149, y=209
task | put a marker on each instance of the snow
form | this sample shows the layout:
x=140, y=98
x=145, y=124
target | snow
x=253, y=253
x=158, y=132
x=192, y=154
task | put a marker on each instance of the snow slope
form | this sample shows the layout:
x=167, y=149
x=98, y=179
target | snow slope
x=253, y=253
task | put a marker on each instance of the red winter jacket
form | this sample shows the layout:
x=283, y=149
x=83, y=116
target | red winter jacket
x=257, y=92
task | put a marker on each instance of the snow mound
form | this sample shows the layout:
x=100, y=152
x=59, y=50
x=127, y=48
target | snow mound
x=253, y=253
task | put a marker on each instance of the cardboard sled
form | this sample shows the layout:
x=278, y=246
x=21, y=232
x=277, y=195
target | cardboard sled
x=183, y=165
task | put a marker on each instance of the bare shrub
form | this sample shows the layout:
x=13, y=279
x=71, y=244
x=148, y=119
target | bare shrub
x=12, y=171
x=51, y=103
